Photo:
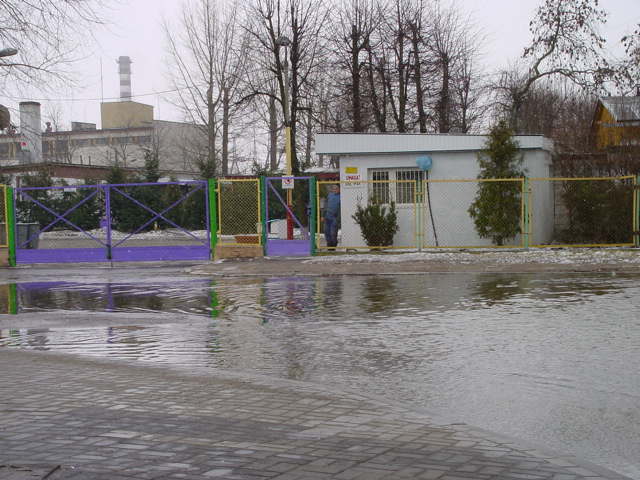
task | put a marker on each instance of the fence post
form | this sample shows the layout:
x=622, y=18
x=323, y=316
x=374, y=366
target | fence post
x=13, y=299
x=213, y=216
x=263, y=214
x=419, y=207
x=107, y=208
x=312, y=213
x=636, y=212
x=11, y=224
x=526, y=221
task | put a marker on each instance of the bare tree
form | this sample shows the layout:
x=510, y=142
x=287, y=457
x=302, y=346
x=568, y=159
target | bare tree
x=453, y=44
x=628, y=71
x=565, y=42
x=49, y=35
x=354, y=24
x=293, y=63
x=395, y=62
x=209, y=55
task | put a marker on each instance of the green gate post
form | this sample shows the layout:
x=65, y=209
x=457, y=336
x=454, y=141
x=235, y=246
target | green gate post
x=312, y=220
x=636, y=213
x=13, y=299
x=213, y=216
x=215, y=303
x=526, y=221
x=263, y=214
x=11, y=225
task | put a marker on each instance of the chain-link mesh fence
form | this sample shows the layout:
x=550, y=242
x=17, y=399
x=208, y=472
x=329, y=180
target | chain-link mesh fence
x=596, y=211
x=4, y=213
x=239, y=207
x=374, y=214
x=472, y=213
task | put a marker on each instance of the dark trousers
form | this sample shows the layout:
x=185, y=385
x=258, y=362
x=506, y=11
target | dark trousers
x=331, y=231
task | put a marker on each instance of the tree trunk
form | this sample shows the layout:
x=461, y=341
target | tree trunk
x=307, y=161
x=355, y=77
x=273, y=135
x=378, y=110
x=211, y=133
x=422, y=115
x=444, y=105
x=225, y=131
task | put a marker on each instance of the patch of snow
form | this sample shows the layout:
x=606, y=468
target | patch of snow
x=116, y=235
x=542, y=255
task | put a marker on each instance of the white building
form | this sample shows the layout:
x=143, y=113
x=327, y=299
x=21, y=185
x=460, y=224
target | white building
x=444, y=219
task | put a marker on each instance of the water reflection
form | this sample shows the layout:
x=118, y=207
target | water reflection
x=543, y=357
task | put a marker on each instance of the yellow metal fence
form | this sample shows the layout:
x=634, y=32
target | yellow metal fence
x=239, y=207
x=455, y=211
x=403, y=194
x=491, y=213
x=582, y=212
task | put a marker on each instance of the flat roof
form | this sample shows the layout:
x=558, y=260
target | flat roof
x=372, y=143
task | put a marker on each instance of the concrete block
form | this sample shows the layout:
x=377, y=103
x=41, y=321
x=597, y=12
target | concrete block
x=238, y=251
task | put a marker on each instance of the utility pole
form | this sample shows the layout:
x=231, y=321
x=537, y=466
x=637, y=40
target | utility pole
x=285, y=42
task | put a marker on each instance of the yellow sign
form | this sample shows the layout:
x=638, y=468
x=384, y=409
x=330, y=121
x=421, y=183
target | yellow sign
x=350, y=169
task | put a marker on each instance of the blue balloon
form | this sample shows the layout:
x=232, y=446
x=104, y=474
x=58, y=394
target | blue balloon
x=424, y=162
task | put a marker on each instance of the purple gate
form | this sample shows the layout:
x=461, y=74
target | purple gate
x=288, y=218
x=113, y=222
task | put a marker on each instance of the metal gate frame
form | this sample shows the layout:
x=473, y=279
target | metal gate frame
x=285, y=247
x=106, y=251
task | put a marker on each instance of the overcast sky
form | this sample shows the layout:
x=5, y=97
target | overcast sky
x=136, y=31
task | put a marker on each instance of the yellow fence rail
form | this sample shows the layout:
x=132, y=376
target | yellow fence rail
x=447, y=221
x=404, y=194
x=239, y=212
x=536, y=212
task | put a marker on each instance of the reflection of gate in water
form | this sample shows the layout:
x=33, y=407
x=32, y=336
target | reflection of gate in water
x=290, y=216
x=119, y=222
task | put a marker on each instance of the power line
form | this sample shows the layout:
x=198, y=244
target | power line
x=91, y=99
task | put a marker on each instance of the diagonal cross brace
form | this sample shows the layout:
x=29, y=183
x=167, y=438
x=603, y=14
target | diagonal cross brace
x=158, y=215
x=302, y=229
x=61, y=217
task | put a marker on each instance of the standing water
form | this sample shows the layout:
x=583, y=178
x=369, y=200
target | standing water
x=552, y=359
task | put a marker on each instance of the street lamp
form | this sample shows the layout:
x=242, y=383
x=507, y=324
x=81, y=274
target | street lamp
x=8, y=52
x=5, y=116
x=286, y=43
x=283, y=41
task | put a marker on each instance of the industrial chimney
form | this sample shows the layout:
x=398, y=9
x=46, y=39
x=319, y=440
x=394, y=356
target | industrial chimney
x=124, y=69
x=30, y=133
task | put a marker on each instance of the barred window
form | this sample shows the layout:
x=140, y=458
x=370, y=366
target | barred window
x=405, y=191
x=380, y=191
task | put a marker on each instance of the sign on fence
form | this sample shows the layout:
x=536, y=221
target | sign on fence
x=287, y=183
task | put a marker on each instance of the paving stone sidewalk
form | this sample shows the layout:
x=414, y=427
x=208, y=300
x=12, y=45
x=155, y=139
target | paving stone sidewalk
x=85, y=419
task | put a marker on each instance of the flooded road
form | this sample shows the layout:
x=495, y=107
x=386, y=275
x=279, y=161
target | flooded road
x=552, y=359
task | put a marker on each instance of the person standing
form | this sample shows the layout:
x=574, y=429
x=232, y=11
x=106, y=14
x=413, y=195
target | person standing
x=332, y=217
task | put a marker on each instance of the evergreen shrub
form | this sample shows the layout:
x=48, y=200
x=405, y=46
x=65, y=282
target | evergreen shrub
x=378, y=222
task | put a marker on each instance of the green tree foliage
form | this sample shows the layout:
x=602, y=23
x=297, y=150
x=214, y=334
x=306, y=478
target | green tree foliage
x=27, y=211
x=85, y=215
x=496, y=209
x=151, y=171
x=598, y=211
x=378, y=222
x=77, y=205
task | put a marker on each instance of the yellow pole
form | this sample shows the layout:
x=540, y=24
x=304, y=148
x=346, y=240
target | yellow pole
x=287, y=151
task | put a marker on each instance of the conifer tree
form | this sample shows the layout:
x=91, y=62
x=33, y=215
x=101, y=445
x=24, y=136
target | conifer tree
x=496, y=210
